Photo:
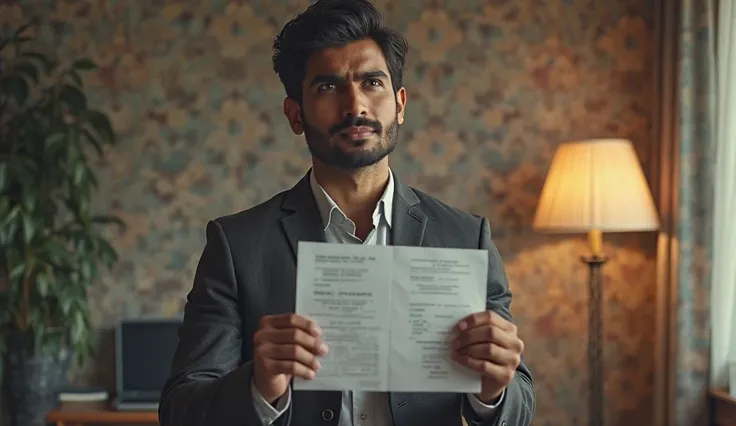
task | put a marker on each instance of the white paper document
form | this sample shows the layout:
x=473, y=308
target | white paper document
x=387, y=314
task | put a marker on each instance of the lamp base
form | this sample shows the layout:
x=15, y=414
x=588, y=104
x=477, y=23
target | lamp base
x=595, y=335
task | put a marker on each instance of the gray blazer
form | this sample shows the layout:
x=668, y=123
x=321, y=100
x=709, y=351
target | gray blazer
x=248, y=270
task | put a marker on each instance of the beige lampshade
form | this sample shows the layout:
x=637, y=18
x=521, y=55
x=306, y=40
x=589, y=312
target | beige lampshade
x=596, y=184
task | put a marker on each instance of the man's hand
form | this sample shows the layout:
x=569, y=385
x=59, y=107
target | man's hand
x=488, y=344
x=285, y=346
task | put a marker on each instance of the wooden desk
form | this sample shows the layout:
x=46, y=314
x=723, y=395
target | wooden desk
x=723, y=408
x=79, y=414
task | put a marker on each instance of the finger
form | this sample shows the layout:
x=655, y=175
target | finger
x=290, y=352
x=485, y=334
x=291, y=321
x=492, y=353
x=485, y=318
x=276, y=366
x=488, y=369
x=290, y=336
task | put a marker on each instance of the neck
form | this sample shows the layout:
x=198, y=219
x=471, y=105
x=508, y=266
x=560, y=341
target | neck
x=356, y=192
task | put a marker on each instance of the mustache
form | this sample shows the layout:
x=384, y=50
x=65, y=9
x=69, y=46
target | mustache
x=356, y=121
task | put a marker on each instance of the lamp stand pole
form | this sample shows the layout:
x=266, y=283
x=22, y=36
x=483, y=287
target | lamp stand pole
x=595, y=262
x=595, y=337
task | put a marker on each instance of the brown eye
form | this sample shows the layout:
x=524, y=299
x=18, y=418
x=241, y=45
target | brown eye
x=326, y=86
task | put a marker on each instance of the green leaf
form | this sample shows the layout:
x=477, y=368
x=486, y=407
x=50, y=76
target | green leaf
x=108, y=255
x=51, y=67
x=3, y=175
x=92, y=179
x=71, y=204
x=85, y=270
x=76, y=78
x=16, y=87
x=24, y=172
x=29, y=228
x=91, y=139
x=29, y=70
x=33, y=22
x=54, y=138
x=101, y=124
x=38, y=57
x=42, y=285
x=17, y=271
x=84, y=64
x=54, y=146
x=4, y=206
x=66, y=305
x=14, y=212
x=73, y=97
x=79, y=327
x=11, y=229
x=108, y=219
x=79, y=172
x=29, y=200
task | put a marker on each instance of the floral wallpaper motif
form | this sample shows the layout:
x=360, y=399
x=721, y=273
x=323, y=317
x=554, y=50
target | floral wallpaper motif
x=493, y=88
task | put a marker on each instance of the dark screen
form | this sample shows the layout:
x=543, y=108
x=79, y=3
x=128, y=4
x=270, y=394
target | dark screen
x=147, y=349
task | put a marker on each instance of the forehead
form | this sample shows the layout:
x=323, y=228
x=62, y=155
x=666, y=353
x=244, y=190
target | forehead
x=357, y=56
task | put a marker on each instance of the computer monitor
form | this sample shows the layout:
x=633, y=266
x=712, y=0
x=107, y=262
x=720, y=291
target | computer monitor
x=144, y=349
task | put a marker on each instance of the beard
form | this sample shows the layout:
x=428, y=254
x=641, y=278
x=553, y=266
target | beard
x=331, y=154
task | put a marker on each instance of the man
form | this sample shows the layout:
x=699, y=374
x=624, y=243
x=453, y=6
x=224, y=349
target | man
x=241, y=343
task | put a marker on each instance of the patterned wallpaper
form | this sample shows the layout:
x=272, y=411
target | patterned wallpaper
x=493, y=87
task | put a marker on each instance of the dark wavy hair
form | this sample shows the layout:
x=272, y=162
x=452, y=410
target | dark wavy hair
x=328, y=24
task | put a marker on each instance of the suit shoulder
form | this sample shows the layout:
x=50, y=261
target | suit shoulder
x=259, y=216
x=445, y=212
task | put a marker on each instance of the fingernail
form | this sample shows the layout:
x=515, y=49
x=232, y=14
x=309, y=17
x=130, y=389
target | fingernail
x=317, y=365
x=323, y=348
x=462, y=326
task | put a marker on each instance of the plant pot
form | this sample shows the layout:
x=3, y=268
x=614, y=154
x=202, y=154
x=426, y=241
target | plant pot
x=32, y=381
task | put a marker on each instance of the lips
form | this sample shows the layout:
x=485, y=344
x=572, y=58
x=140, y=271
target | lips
x=358, y=132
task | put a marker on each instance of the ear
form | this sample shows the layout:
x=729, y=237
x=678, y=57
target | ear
x=400, y=105
x=292, y=111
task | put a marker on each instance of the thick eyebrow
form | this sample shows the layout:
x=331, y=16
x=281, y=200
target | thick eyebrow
x=336, y=79
x=371, y=74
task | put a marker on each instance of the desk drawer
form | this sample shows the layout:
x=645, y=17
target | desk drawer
x=724, y=409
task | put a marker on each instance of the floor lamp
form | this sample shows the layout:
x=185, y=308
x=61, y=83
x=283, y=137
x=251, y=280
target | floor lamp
x=596, y=186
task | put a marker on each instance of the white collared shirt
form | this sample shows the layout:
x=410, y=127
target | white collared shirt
x=340, y=229
x=358, y=408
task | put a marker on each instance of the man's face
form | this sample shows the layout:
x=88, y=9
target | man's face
x=350, y=115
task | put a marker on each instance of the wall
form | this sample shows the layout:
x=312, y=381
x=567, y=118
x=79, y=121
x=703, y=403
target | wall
x=492, y=90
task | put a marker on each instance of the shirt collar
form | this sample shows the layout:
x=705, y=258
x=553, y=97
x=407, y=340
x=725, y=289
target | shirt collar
x=327, y=206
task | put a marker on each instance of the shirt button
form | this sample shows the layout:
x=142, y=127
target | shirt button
x=363, y=416
x=327, y=415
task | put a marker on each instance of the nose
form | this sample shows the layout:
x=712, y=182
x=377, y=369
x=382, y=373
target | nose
x=353, y=102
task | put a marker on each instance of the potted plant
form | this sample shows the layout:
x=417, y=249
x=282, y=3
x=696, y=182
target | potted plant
x=52, y=246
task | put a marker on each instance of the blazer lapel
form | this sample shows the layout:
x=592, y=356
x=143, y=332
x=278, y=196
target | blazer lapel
x=304, y=222
x=409, y=221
